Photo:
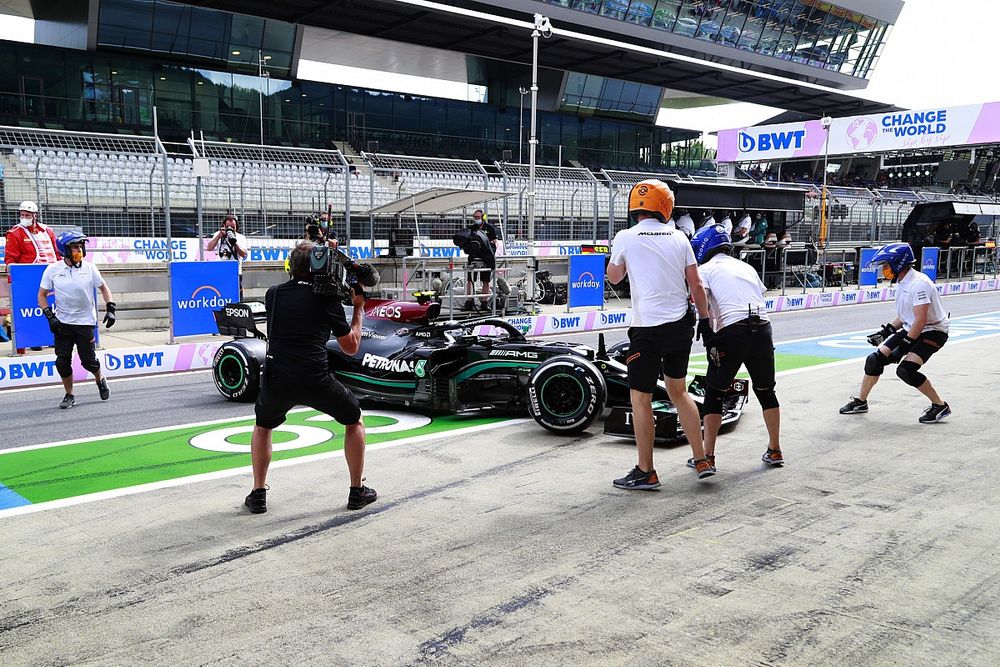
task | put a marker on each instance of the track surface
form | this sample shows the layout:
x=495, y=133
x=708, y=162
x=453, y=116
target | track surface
x=878, y=543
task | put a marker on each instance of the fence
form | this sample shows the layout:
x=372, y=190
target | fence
x=114, y=185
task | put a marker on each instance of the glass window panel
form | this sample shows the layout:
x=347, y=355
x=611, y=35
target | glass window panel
x=248, y=30
x=209, y=25
x=615, y=9
x=640, y=13
x=279, y=36
x=665, y=14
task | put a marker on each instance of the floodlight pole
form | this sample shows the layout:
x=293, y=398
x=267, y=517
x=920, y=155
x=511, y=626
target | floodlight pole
x=825, y=122
x=542, y=25
x=260, y=98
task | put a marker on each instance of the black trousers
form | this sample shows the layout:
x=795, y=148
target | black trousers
x=744, y=342
x=82, y=336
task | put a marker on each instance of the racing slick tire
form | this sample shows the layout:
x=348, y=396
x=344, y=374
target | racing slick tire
x=236, y=372
x=566, y=394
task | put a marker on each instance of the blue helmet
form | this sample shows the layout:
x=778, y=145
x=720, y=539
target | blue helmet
x=709, y=241
x=66, y=239
x=898, y=256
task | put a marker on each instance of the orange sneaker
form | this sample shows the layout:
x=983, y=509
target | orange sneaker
x=703, y=468
x=773, y=458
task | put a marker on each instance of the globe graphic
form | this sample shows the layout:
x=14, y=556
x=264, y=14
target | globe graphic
x=861, y=133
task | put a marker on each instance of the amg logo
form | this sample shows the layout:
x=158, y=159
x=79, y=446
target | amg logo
x=518, y=354
x=378, y=363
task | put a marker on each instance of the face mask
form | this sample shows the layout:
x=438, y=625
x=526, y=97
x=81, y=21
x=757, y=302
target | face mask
x=26, y=222
x=887, y=272
x=76, y=254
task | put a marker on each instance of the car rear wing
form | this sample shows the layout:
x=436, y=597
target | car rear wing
x=239, y=320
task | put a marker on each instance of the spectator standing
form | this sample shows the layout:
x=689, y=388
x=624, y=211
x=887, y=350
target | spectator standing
x=231, y=245
x=30, y=242
x=73, y=282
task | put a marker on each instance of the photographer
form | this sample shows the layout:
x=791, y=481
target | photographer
x=231, y=245
x=485, y=255
x=296, y=372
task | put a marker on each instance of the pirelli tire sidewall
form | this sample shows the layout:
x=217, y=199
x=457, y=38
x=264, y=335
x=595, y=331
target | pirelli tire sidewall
x=236, y=372
x=588, y=392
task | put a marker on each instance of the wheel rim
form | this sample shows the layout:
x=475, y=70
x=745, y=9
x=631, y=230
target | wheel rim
x=230, y=372
x=562, y=395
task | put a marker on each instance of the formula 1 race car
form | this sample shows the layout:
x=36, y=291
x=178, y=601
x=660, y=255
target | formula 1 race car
x=408, y=359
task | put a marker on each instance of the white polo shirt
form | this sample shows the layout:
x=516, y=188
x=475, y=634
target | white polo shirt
x=686, y=225
x=734, y=290
x=916, y=289
x=728, y=224
x=745, y=224
x=74, y=291
x=655, y=257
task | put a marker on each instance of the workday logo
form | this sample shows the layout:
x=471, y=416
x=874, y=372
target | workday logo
x=586, y=280
x=204, y=296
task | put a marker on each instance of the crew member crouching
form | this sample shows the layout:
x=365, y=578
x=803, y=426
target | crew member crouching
x=742, y=337
x=924, y=331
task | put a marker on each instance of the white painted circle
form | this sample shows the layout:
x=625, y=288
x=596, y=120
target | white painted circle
x=216, y=441
x=405, y=421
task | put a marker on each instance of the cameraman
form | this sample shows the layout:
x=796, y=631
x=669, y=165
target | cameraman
x=485, y=255
x=231, y=245
x=297, y=372
x=318, y=230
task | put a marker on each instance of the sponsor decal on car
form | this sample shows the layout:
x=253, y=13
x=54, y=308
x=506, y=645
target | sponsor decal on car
x=377, y=363
x=517, y=354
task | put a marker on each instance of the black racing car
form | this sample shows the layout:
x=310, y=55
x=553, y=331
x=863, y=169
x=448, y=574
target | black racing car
x=485, y=365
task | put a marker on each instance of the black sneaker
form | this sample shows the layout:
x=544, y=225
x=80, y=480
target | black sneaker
x=935, y=413
x=67, y=402
x=256, y=502
x=102, y=387
x=469, y=306
x=360, y=496
x=638, y=480
x=855, y=407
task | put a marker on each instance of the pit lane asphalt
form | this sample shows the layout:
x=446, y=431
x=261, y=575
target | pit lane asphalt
x=878, y=544
x=30, y=416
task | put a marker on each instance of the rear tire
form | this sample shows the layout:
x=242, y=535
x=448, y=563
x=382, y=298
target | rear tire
x=566, y=394
x=236, y=373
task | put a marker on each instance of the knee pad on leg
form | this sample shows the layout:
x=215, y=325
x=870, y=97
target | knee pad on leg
x=875, y=363
x=909, y=372
x=713, y=400
x=766, y=397
x=64, y=366
x=91, y=366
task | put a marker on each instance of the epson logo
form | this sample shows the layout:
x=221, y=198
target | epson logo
x=378, y=363
x=517, y=354
x=236, y=311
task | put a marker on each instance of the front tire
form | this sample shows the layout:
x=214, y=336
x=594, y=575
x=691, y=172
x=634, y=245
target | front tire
x=236, y=372
x=566, y=394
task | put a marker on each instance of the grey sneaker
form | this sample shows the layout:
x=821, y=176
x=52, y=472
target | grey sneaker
x=102, y=387
x=638, y=479
x=67, y=402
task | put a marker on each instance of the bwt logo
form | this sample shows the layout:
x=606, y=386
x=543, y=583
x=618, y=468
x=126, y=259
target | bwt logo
x=613, y=318
x=768, y=304
x=954, y=287
x=873, y=295
x=130, y=361
x=28, y=369
x=796, y=302
x=849, y=297
x=586, y=281
x=768, y=141
x=208, y=301
x=565, y=322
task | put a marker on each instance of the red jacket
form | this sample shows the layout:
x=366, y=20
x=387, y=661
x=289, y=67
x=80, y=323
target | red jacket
x=20, y=248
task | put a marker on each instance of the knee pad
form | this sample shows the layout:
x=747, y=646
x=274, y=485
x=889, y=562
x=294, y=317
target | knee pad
x=909, y=372
x=713, y=400
x=64, y=366
x=766, y=397
x=875, y=363
x=92, y=366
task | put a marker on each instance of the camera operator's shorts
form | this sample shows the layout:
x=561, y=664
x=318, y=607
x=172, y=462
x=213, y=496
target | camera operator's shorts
x=927, y=344
x=278, y=396
x=748, y=342
x=483, y=276
x=664, y=349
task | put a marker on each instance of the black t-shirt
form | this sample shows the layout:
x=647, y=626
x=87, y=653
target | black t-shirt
x=299, y=326
x=487, y=228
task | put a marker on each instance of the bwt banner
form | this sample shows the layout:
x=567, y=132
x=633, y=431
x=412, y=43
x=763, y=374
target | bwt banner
x=929, y=262
x=41, y=369
x=586, y=280
x=869, y=274
x=875, y=133
x=198, y=289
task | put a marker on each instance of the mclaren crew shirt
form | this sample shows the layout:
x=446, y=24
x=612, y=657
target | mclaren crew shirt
x=655, y=257
x=734, y=290
x=74, y=288
x=686, y=224
x=916, y=289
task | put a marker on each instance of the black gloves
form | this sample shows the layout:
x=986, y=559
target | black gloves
x=109, y=314
x=54, y=322
x=901, y=350
x=882, y=334
x=705, y=331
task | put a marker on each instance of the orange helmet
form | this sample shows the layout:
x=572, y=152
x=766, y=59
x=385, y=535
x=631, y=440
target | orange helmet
x=652, y=198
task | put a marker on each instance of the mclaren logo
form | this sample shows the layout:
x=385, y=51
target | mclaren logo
x=377, y=363
x=517, y=354
x=643, y=190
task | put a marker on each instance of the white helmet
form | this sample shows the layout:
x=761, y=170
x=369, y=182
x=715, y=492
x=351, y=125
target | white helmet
x=29, y=206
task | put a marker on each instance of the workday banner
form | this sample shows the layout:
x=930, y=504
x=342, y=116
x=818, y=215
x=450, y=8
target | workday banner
x=929, y=262
x=586, y=280
x=198, y=289
x=874, y=133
